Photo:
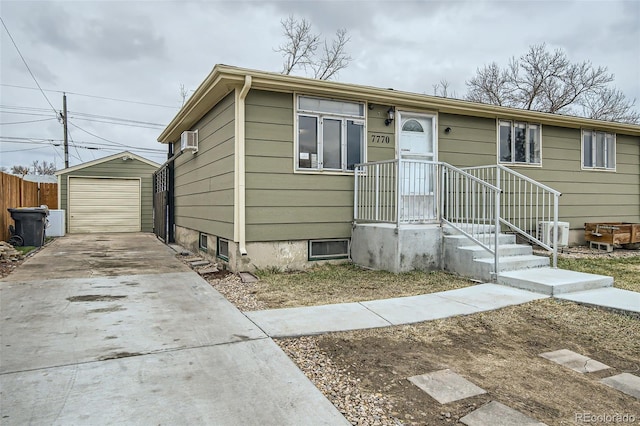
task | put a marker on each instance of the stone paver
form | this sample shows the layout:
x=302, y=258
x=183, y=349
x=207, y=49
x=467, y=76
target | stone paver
x=574, y=361
x=446, y=386
x=625, y=382
x=496, y=414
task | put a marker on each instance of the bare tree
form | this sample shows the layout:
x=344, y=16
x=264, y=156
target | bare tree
x=442, y=89
x=43, y=168
x=548, y=81
x=183, y=93
x=19, y=170
x=611, y=105
x=300, y=50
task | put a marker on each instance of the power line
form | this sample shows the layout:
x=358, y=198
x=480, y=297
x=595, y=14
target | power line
x=94, y=135
x=98, y=118
x=93, y=120
x=28, y=69
x=29, y=121
x=73, y=144
x=25, y=149
x=94, y=96
x=44, y=141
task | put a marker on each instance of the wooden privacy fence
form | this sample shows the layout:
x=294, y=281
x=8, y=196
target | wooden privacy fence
x=17, y=192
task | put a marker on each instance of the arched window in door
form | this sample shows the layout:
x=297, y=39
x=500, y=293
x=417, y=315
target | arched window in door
x=412, y=125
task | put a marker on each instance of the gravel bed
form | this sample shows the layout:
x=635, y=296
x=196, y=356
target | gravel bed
x=338, y=385
x=242, y=295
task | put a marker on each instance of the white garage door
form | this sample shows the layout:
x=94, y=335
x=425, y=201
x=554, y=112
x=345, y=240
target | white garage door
x=104, y=205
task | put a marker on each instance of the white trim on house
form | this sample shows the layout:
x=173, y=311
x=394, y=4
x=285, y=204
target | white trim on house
x=593, y=150
x=320, y=115
x=514, y=163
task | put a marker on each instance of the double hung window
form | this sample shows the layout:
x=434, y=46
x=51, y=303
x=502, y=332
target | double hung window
x=598, y=150
x=519, y=143
x=330, y=134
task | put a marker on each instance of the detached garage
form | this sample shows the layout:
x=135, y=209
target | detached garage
x=112, y=194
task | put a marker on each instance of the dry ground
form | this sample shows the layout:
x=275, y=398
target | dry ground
x=496, y=350
x=364, y=373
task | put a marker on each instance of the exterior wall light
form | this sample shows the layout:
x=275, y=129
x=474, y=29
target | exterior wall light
x=390, y=116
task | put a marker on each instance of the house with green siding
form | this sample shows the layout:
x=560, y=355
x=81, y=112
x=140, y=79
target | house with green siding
x=274, y=170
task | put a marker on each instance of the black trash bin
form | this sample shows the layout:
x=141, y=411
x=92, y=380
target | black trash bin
x=30, y=224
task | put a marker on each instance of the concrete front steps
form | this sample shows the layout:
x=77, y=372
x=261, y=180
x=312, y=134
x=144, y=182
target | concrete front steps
x=553, y=281
x=462, y=256
x=518, y=266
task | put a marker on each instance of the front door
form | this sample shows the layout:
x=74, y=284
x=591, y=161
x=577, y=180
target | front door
x=417, y=149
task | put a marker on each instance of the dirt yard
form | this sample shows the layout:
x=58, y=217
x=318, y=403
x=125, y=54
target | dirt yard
x=364, y=373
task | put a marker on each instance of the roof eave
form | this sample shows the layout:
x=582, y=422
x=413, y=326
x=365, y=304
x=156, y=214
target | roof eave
x=223, y=79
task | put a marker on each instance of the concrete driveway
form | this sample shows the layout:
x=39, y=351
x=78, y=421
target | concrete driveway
x=113, y=329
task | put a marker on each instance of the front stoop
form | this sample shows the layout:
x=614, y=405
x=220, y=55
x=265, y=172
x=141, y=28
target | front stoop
x=553, y=281
x=518, y=266
x=462, y=257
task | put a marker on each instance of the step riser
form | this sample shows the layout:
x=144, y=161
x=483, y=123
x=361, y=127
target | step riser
x=463, y=240
x=473, y=253
x=556, y=289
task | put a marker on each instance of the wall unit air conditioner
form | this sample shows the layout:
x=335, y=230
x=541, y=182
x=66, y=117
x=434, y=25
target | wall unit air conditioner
x=189, y=141
x=545, y=233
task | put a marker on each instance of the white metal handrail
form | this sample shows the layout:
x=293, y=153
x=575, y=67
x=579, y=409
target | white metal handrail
x=396, y=191
x=375, y=192
x=416, y=191
x=525, y=203
x=472, y=206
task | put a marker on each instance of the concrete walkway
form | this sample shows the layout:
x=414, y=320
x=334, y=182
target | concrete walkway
x=113, y=329
x=380, y=313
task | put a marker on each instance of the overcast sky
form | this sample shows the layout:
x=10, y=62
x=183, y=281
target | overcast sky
x=142, y=51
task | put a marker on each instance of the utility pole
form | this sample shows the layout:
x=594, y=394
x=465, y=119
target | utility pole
x=64, y=126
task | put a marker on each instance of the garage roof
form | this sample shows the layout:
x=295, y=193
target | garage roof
x=124, y=155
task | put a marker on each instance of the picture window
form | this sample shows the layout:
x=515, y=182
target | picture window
x=330, y=134
x=519, y=143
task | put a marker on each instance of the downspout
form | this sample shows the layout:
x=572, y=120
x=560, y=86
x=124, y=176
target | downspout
x=240, y=166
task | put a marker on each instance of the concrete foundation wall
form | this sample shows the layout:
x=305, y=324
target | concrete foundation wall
x=282, y=255
x=408, y=248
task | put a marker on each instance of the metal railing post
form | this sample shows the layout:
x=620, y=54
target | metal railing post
x=355, y=194
x=555, y=230
x=496, y=231
x=399, y=175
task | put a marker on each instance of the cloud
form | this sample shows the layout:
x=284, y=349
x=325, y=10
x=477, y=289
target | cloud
x=107, y=32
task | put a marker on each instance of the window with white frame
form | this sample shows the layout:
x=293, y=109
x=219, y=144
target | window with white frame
x=330, y=134
x=519, y=142
x=598, y=150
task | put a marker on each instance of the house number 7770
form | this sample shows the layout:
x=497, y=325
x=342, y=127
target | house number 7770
x=380, y=138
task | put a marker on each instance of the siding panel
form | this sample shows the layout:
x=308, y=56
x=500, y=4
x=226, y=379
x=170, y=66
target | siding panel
x=204, y=181
x=281, y=204
x=587, y=195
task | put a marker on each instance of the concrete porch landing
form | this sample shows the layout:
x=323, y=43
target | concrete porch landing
x=552, y=281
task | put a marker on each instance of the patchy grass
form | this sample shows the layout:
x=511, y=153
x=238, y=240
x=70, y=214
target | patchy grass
x=624, y=270
x=24, y=249
x=331, y=283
